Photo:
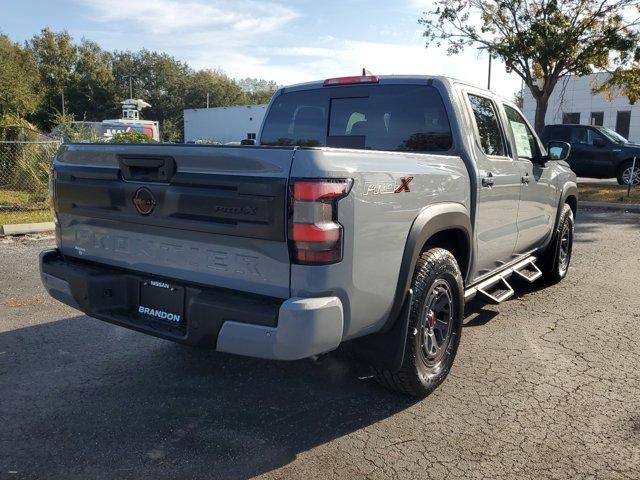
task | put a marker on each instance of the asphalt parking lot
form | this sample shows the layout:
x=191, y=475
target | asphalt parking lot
x=546, y=385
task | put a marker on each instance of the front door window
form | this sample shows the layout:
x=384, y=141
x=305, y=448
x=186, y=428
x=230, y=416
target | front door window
x=525, y=142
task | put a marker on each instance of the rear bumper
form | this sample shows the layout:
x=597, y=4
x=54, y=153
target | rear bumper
x=233, y=322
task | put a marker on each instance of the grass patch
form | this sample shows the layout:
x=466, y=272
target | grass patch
x=609, y=193
x=17, y=206
x=13, y=197
x=27, y=216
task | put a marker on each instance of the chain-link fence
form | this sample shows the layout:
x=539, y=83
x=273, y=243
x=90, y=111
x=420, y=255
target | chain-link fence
x=24, y=177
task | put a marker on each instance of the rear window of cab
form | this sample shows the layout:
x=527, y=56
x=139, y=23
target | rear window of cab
x=376, y=117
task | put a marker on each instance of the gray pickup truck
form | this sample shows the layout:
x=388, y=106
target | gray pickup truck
x=370, y=210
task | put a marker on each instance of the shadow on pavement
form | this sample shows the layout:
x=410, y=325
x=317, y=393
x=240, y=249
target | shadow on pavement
x=86, y=399
x=589, y=222
x=83, y=399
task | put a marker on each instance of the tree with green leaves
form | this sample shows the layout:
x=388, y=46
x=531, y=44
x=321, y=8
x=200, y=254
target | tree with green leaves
x=623, y=81
x=222, y=90
x=55, y=55
x=258, y=91
x=53, y=70
x=92, y=86
x=19, y=80
x=539, y=40
x=159, y=79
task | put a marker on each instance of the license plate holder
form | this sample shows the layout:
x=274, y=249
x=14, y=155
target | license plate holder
x=162, y=301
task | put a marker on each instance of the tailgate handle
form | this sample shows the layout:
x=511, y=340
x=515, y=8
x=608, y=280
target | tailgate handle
x=143, y=162
x=147, y=169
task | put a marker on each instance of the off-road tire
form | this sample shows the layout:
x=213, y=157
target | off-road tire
x=626, y=166
x=435, y=269
x=556, y=259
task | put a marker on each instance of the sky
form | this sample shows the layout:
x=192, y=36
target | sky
x=287, y=41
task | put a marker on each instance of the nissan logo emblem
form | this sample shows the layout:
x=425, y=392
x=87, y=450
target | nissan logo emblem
x=144, y=201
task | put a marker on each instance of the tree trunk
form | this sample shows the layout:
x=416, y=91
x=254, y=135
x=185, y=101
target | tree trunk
x=541, y=111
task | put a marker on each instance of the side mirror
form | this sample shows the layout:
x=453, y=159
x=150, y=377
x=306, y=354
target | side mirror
x=599, y=142
x=558, y=150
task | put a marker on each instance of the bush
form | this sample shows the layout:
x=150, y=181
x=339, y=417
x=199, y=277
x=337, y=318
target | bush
x=206, y=141
x=25, y=160
x=71, y=131
x=132, y=136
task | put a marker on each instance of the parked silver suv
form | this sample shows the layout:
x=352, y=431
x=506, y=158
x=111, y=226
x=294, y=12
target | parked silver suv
x=371, y=209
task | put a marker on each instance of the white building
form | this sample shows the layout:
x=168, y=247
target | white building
x=223, y=124
x=573, y=102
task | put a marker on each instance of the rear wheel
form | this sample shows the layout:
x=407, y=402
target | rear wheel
x=556, y=260
x=435, y=326
x=627, y=175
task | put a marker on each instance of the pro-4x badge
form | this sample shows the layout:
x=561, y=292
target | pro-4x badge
x=387, y=188
x=404, y=185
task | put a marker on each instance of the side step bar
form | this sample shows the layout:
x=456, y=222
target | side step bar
x=530, y=271
x=497, y=289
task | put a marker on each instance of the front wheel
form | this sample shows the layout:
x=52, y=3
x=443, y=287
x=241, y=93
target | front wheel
x=555, y=261
x=435, y=326
x=627, y=175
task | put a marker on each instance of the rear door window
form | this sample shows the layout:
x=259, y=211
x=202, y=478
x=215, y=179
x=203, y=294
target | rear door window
x=489, y=132
x=376, y=117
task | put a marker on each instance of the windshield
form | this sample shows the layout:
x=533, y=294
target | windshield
x=373, y=117
x=611, y=135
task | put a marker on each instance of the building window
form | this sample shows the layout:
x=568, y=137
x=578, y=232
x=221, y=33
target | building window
x=597, y=118
x=623, y=120
x=571, y=118
x=251, y=136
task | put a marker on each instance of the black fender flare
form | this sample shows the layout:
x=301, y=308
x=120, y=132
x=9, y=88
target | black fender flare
x=570, y=189
x=385, y=349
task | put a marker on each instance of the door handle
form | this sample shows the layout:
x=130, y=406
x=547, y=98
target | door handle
x=525, y=179
x=488, y=180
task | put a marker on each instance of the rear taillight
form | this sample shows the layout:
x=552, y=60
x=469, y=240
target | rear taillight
x=315, y=236
x=53, y=175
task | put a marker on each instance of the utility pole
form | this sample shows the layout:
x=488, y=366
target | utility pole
x=63, y=109
x=489, y=74
x=207, y=99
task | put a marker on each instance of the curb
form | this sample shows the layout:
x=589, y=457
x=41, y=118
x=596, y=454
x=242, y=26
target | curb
x=25, y=228
x=619, y=207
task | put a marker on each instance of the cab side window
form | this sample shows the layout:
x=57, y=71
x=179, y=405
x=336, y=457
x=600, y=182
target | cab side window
x=579, y=135
x=593, y=135
x=556, y=133
x=489, y=131
x=526, y=144
x=584, y=136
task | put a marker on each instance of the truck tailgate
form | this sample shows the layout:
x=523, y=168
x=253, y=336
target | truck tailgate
x=203, y=214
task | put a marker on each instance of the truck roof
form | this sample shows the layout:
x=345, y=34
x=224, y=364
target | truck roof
x=394, y=79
